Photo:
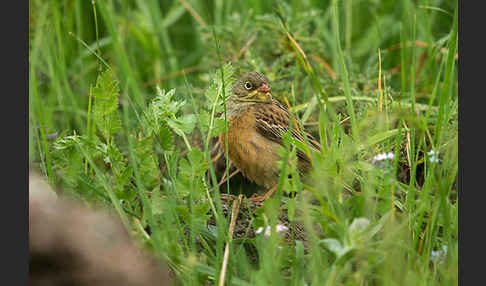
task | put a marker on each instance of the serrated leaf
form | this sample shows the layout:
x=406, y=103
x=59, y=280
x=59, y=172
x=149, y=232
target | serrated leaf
x=191, y=172
x=183, y=124
x=183, y=211
x=66, y=142
x=184, y=167
x=201, y=210
x=214, y=93
x=198, y=163
x=126, y=195
x=219, y=126
x=105, y=93
x=147, y=162
x=182, y=187
x=201, y=213
x=122, y=172
x=113, y=155
x=105, y=108
x=211, y=95
x=157, y=202
x=159, y=110
x=69, y=143
x=228, y=78
x=69, y=161
x=204, y=120
x=165, y=137
x=164, y=104
x=110, y=124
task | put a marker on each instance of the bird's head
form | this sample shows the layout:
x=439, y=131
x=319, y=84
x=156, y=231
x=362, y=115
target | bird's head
x=252, y=87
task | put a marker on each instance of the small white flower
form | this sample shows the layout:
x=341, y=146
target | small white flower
x=280, y=228
x=438, y=256
x=383, y=156
x=433, y=156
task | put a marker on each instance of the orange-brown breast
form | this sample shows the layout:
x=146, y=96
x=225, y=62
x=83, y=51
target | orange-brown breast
x=255, y=155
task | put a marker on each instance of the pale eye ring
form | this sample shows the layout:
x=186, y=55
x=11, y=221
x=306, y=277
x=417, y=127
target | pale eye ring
x=248, y=85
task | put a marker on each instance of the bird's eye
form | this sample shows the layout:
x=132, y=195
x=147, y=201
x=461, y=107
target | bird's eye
x=248, y=85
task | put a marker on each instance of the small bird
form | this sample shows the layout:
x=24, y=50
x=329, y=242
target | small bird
x=257, y=122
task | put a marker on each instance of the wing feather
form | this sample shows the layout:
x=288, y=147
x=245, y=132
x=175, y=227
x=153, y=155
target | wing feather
x=272, y=120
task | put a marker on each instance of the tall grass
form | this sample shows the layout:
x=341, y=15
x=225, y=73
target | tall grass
x=365, y=77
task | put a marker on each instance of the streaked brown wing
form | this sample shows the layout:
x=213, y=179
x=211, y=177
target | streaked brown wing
x=272, y=120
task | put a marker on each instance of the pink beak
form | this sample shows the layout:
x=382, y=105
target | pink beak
x=264, y=88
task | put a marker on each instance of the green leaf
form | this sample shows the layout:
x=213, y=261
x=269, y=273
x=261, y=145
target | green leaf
x=157, y=202
x=164, y=105
x=105, y=109
x=211, y=95
x=334, y=246
x=291, y=210
x=201, y=210
x=204, y=120
x=69, y=143
x=105, y=93
x=122, y=172
x=214, y=93
x=191, y=173
x=148, y=162
x=66, y=142
x=377, y=138
x=174, y=14
x=196, y=167
x=379, y=225
x=165, y=137
x=228, y=78
x=126, y=195
x=184, y=167
x=111, y=124
x=184, y=212
x=160, y=110
x=357, y=228
x=183, y=125
x=198, y=164
x=201, y=213
x=219, y=125
x=198, y=215
x=69, y=162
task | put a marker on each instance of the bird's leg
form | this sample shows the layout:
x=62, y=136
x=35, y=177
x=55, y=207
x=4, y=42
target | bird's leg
x=215, y=158
x=224, y=177
x=265, y=196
